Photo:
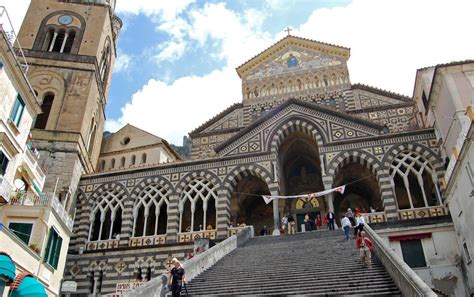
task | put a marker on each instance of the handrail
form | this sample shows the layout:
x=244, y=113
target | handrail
x=195, y=265
x=409, y=283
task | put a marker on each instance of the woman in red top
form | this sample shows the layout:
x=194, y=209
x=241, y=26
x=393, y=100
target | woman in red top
x=364, y=244
x=319, y=222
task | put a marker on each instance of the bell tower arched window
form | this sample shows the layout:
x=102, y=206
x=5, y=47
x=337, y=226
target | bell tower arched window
x=42, y=118
x=105, y=63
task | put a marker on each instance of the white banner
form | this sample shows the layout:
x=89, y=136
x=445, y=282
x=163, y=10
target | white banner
x=340, y=189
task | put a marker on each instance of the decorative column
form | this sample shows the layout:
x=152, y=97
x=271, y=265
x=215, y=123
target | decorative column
x=172, y=228
x=222, y=213
x=276, y=216
x=330, y=201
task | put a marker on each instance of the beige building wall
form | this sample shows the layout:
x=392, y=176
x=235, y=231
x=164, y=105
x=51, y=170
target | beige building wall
x=448, y=100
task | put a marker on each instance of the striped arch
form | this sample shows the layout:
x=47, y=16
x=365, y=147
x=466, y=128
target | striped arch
x=375, y=166
x=295, y=124
x=239, y=173
x=110, y=187
x=153, y=180
x=195, y=174
x=433, y=159
x=427, y=153
x=81, y=222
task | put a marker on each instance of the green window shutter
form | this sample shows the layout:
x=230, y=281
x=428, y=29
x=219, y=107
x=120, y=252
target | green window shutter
x=47, y=254
x=17, y=110
x=22, y=230
x=57, y=252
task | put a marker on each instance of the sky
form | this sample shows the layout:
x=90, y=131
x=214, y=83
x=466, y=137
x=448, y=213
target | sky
x=176, y=59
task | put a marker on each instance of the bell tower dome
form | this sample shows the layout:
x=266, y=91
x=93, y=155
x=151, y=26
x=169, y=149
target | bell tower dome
x=71, y=47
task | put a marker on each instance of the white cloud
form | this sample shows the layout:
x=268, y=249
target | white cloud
x=167, y=9
x=122, y=63
x=172, y=110
x=389, y=40
x=172, y=51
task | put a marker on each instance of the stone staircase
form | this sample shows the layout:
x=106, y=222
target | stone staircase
x=311, y=263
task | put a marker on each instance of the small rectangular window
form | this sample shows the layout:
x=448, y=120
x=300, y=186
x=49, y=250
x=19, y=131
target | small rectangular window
x=466, y=252
x=412, y=251
x=470, y=173
x=425, y=100
x=53, y=249
x=3, y=163
x=17, y=111
x=22, y=230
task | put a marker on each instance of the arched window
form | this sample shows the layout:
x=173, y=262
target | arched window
x=132, y=160
x=105, y=63
x=106, y=216
x=102, y=165
x=143, y=158
x=122, y=162
x=150, y=213
x=91, y=137
x=414, y=181
x=197, y=206
x=69, y=42
x=42, y=118
x=112, y=163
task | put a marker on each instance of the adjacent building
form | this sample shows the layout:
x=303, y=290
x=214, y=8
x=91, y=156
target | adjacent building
x=445, y=98
x=34, y=227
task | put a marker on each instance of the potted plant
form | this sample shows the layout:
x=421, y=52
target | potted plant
x=35, y=248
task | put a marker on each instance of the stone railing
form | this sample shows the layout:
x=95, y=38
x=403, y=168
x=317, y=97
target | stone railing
x=234, y=230
x=5, y=189
x=375, y=217
x=44, y=199
x=191, y=236
x=102, y=244
x=32, y=162
x=195, y=265
x=425, y=212
x=147, y=240
x=409, y=283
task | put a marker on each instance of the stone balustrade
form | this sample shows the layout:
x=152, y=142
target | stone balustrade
x=375, y=217
x=425, y=212
x=102, y=245
x=147, y=240
x=191, y=236
x=409, y=283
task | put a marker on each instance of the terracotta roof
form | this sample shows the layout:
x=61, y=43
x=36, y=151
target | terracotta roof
x=380, y=92
x=216, y=118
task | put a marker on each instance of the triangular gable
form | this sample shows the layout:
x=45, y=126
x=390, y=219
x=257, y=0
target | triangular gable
x=230, y=118
x=292, y=41
x=370, y=97
x=331, y=126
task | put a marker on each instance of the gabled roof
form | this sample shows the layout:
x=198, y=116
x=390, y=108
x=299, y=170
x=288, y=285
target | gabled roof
x=331, y=49
x=380, y=92
x=304, y=104
x=216, y=118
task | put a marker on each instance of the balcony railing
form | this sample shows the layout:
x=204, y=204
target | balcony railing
x=425, y=212
x=191, y=236
x=44, y=199
x=32, y=163
x=5, y=189
x=6, y=28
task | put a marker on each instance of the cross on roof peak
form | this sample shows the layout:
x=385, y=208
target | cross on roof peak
x=288, y=30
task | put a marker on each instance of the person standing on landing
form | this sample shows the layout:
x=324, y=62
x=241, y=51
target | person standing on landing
x=176, y=278
x=364, y=245
x=319, y=222
x=346, y=226
x=330, y=217
x=291, y=224
x=360, y=222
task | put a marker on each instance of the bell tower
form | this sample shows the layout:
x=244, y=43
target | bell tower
x=70, y=46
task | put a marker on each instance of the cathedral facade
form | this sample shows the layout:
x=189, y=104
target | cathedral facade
x=301, y=127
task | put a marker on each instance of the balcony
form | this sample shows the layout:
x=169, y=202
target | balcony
x=30, y=162
x=43, y=200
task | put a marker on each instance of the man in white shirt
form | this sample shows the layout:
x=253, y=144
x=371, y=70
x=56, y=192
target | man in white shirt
x=346, y=225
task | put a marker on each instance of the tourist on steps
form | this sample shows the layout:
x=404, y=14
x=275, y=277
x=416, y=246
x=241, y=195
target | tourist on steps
x=264, y=231
x=284, y=224
x=177, y=278
x=307, y=222
x=330, y=217
x=319, y=222
x=346, y=226
x=360, y=222
x=291, y=224
x=350, y=216
x=364, y=245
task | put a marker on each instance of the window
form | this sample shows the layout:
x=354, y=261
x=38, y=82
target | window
x=17, y=111
x=53, y=249
x=112, y=164
x=412, y=251
x=122, y=162
x=425, y=100
x=143, y=158
x=22, y=230
x=106, y=219
x=3, y=163
x=102, y=165
x=197, y=206
x=104, y=63
x=42, y=118
x=60, y=41
x=132, y=160
x=150, y=213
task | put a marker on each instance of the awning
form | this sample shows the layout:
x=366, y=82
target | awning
x=410, y=236
x=26, y=176
x=25, y=285
x=7, y=268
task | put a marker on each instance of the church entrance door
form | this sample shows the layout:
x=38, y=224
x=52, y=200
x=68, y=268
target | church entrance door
x=300, y=167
